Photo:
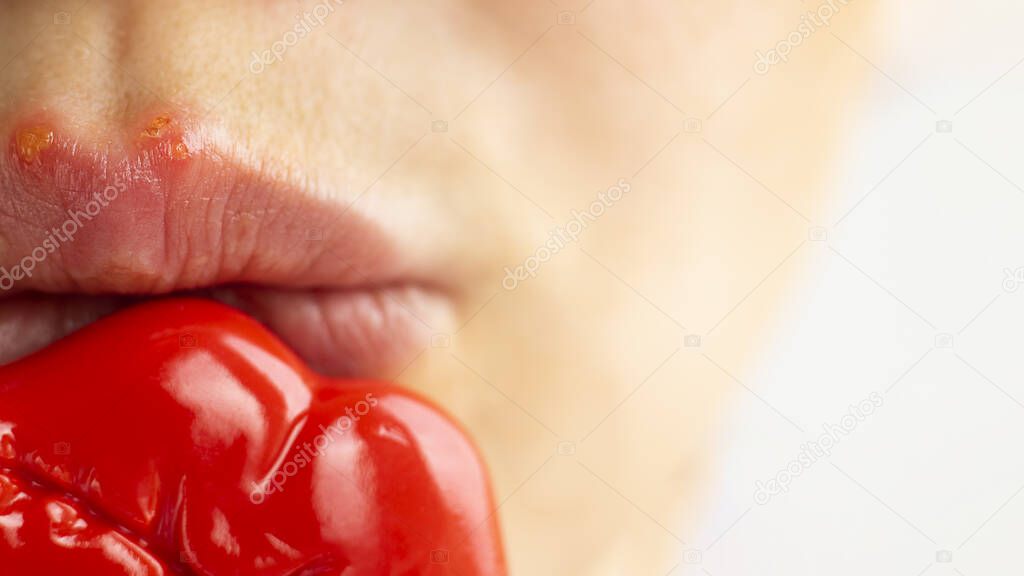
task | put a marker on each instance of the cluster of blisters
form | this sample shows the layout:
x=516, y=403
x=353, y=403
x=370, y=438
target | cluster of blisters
x=163, y=129
x=163, y=134
x=30, y=142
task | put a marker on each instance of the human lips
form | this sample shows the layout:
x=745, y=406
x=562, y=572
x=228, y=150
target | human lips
x=90, y=223
x=180, y=437
x=181, y=451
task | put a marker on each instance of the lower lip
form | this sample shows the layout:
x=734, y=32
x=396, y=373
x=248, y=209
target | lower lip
x=372, y=333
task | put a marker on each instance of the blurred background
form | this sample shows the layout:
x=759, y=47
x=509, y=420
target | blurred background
x=909, y=300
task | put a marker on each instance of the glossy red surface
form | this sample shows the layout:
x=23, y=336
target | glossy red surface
x=180, y=437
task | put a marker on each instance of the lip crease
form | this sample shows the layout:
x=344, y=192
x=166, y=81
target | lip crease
x=160, y=206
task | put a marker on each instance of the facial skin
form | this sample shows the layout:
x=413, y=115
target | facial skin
x=478, y=136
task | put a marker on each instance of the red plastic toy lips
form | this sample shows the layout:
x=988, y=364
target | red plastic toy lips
x=180, y=437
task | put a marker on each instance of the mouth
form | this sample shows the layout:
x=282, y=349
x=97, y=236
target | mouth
x=183, y=437
x=92, y=224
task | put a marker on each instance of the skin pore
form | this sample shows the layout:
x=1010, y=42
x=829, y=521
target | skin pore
x=490, y=138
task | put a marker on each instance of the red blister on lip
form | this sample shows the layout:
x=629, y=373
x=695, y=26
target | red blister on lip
x=180, y=437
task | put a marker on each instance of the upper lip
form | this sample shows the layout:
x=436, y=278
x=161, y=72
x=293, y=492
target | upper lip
x=211, y=218
x=192, y=212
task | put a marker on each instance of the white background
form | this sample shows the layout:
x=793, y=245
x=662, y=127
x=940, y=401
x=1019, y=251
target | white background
x=925, y=223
